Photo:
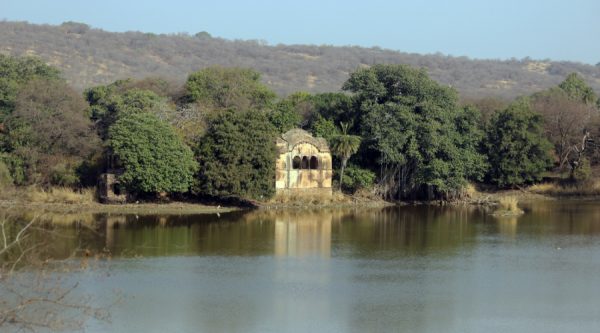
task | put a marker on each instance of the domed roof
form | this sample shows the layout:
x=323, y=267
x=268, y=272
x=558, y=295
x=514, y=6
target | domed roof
x=295, y=136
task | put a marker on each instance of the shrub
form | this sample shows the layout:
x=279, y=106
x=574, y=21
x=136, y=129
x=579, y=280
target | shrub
x=153, y=157
x=5, y=177
x=517, y=150
x=237, y=156
x=356, y=178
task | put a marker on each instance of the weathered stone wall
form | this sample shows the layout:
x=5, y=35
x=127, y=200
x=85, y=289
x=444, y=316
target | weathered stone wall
x=312, y=168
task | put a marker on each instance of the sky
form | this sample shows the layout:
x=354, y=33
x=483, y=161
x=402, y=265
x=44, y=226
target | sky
x=498, y=29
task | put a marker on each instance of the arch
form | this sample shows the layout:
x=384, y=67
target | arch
x=314, y=162
x=305, y=164
x=296, y=162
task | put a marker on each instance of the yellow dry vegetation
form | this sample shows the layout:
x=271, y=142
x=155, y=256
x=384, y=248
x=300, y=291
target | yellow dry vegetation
x=60, y=195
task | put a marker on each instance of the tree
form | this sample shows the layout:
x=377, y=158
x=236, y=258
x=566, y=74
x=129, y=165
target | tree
x=566, y=121
x=577, y=89
x=36, y=294
x=15, y=72
x=223, y=88
x=414, y=132
x=108, y=103
x=284, y=115
x=324, y=128
x=153, y=157
x=516, y=148
x=49, y=134
x=343, y=146
x=237, y=156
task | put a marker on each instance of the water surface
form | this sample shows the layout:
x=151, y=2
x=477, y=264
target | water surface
x=407, y=269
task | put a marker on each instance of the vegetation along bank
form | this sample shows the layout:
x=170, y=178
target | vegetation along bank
x=395, y=134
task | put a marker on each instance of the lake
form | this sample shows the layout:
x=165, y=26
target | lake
x=400, y=269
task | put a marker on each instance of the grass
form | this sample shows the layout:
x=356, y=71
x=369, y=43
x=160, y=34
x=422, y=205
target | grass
x=508, y=206
x=589, y=188
x=509, y=203
x=61, y=195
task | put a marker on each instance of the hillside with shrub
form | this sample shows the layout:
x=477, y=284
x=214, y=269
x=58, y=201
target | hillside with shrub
x=90, y=57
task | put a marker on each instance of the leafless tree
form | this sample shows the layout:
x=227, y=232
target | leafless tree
x=567, y=123
x=36, y=293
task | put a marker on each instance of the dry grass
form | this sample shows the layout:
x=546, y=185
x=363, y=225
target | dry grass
x=508, y=204
x=589, y=188
x=61, y=195
x=309, y=199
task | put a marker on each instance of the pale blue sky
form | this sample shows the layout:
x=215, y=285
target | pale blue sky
x=500, y=29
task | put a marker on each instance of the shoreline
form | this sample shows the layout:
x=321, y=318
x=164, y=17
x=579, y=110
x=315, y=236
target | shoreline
x=171, y=208
x=179, y=207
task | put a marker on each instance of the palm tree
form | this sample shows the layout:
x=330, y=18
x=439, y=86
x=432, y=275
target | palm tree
x=343, y=146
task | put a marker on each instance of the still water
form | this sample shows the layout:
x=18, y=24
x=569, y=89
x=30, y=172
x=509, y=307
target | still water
x=406, y=269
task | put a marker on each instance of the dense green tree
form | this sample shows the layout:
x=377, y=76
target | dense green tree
x=237, y=156
x=356, y=178
x=417, y=134
x=108, y=103
x=289, y=112
x=49, y=134
x=153, y=157
x=228, y=87
x=576, y=88
x=343, y=146
x=15, y=72
x=324, y=128
x=335, y=106
x=516, y=147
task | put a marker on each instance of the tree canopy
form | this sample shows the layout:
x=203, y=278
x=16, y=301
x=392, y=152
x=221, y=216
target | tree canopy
x=153, y=157
x=237, y=156
x=228, y=87
x=516, y=147
x=15, y=72
x=420, y=138
x=49, y=134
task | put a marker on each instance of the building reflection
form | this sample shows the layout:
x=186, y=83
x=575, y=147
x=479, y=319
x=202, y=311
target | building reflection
x=303, y=234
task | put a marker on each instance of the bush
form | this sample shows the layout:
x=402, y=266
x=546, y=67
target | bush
x=517, y=150
x=153, y=157
x=5, y=177
x=583, y=171
x=237, y=156
x=356, y=178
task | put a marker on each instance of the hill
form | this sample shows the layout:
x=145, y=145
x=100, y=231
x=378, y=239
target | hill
x=91, y=57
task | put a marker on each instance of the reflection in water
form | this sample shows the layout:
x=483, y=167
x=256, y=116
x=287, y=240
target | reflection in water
x=300, y=234
x=408, y=269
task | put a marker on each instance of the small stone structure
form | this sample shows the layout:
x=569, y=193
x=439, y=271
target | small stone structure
x=110, y=190
x=303, y=165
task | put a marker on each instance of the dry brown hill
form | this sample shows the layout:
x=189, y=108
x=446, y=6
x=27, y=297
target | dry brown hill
x=91, y=57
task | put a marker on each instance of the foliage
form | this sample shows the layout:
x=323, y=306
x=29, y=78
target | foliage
x=153, y=157
x=577, y=89
x=343, y=146
x=222, y=88
x=237, y=156
x=287, y=113
x=517, y=150
x=5, y=177
x=48, y=134
x=15, y=72
x=324, y=128
x=356, y=178
x=583, y=172
x=416, y=132
x=108, y=103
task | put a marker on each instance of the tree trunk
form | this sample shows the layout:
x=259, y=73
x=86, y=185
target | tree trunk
x=342, y=172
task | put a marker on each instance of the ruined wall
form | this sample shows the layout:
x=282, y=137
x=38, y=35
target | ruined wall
x=313, y=172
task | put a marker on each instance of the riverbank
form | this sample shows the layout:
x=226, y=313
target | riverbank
x=66, y=201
